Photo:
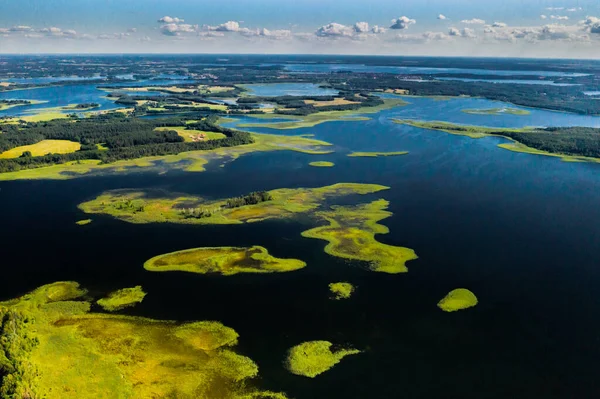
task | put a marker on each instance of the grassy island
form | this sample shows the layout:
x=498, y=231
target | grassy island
x=458, y=299
x=497, y=111
x=223, y=260
x=122, y=299
x=571, y=144
x=83, y=222
x=141, y=207
x=341, y=290
x=311, y=120
x=322, y=164
x=365, y=154
x=351, y=234
x=58, y=349
x=309, y=359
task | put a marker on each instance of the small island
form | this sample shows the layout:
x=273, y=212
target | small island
x=365, y=154
x=81, y=107
x=223, y=260
x=309, y=359
x=8, y=104
x=83, y=222
x=122, y=299
x=458, y=299
x=322, y=164
x=497, y=111
x=341, y=290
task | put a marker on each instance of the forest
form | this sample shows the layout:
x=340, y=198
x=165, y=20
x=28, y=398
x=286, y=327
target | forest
x=124, y=137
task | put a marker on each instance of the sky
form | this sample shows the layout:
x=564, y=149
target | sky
x=488, y=28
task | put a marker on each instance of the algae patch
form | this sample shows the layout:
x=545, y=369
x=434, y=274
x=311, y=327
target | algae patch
x=322, y=164
x=458, y=299
x=341, y=290
x=60, y=350
x=123, y=298
x=351, y=234
x=223, y=260
x=312, y=358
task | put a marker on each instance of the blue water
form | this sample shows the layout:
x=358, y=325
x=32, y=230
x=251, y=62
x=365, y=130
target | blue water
x=513, y=81
x=418, y=70
x=51, y=79
x=289, y=89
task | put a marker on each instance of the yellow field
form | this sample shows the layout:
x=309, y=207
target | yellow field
x=337, y=101
x=42, y=148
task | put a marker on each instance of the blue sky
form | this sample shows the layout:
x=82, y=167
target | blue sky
x=569, y=28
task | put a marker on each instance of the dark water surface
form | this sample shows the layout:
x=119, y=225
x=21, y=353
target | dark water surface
x=520, y=231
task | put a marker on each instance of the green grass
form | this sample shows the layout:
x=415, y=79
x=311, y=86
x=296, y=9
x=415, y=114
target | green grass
x=341, y=290
x=83, y=222
x=458, y=299
x=223, y=260
x=312, y=120
x=376, y=154
x=122, y=298
x=191, y=135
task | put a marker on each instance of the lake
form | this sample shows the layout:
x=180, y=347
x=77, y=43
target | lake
x=520, y=231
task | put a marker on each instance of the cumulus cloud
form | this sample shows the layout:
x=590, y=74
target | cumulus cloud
x=442, y=17
x=499, y=25
x=474, y=21
x=402, y=23
x=378, y=30
x=559, y=17
x=361, y=27
x=171, y=20
x=466, y=32
x=229, y=26
x=591, y=24
x=177, y=29
x=543, y=16
x=335, y=30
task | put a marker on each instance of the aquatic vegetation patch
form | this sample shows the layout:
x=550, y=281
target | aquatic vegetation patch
x=351, y=234
x=42, y=148
x=458, y=299
x=322, y=164
x=58, y=349
x=497, y=111
x=341, y=290
x=83, y=222
x=140, y=207
x=223, y=260
x=312, y=358
x=376, y=154
x=122, y=298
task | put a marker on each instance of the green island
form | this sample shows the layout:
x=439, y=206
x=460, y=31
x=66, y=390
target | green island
x=350, y=230
x=80, y=107
x=122, y=298
x=571, y=144
x=8, y=104
x=309, y=359
x=322, y=164
x=223, y=260
x=83, y=222
x=317, y=118
x=365, y=154
x=52, y=346
x=497, y=111
x=458, y=299
x=341, y=290
x=350, y=234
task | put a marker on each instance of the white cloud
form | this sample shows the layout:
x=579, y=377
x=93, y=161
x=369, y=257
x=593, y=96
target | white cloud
x=361, y=27
x=591, y=24
x=336, y=30
x=574, y=9
x=474, y=21
x=543, y=16
x=554, y=8
x=559, y=17
x=499, y=25
x=177, y=29
x=402, y=23
x=171, y=20
x=21, y=28
x=229, y=26
x=442, y=17
x=132, y=30
x=271, y=34
x=378, y=29
x=466, y=32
